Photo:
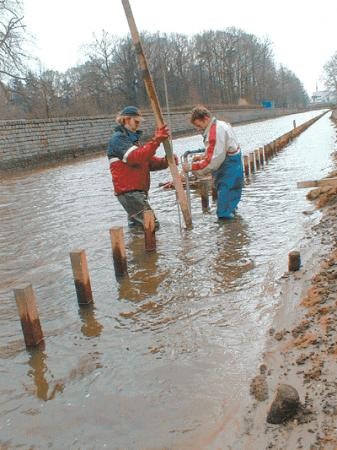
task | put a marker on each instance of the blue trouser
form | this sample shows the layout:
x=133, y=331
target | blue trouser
x=228, y=181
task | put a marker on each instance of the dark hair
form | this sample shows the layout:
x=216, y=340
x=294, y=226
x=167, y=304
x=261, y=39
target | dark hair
x=200, y=112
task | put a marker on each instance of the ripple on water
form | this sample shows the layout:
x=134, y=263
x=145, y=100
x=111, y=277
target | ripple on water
x=171, y=346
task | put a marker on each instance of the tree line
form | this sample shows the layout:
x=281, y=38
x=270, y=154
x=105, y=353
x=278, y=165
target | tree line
x=330, y=69
x=213, y=67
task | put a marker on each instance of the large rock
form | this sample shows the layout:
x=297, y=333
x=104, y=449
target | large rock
x=285, y=404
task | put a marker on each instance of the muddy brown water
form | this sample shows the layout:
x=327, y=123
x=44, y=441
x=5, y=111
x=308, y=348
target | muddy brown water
x=164, y=358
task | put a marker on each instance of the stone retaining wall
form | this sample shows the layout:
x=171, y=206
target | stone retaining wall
x=29, y=143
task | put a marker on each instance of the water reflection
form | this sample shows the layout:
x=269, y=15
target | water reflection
x=38, y=371
x=91, y=327
x=144, y=277
x=231, y=259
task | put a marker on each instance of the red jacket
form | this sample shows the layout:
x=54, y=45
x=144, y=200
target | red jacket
x=131, y=163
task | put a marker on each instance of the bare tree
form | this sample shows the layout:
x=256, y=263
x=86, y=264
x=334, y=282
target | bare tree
x=169, y=59
x=213, y=67
x=83, y=93
x=12, y=31
x=330, y=69
x=113, y=63
x=232, y=64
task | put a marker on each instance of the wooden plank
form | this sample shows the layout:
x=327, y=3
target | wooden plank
x=317, y=183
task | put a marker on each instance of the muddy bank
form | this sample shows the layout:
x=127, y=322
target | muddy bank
x=301, y=349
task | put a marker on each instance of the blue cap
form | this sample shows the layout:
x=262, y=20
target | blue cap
x=131, y=111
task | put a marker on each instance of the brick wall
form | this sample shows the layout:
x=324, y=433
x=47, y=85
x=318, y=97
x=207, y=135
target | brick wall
x=29, y=143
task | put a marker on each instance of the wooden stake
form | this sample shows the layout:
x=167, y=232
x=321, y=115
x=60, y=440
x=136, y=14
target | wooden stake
x=251, y=162
x=81, y=277
x=267, y=152
x=118, y=251
x=149, y=231
x=151, y=92
x=204, y=189
x=261, y=156
x=257, y=158
x=29, y=316
x=246, y=164
x=294, y=261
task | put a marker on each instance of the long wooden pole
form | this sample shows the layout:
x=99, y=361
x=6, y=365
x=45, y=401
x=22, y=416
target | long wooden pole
x=151, y=92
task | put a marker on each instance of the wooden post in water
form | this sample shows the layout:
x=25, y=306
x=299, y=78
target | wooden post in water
x=273, y=146
x=267, y=152
x=118, y=251
x=29, y=316
x=251, y=162
x=277, y=144
x=149, y=230
x=261, y=156
x=151, y=92
x=204, y=188
x=294, y=261
x=246, y=164
x=257, y=158
x=81, y=277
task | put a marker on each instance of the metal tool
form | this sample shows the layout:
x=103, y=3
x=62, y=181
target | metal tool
x=184, y=159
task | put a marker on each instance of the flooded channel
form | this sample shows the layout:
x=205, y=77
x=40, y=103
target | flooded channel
x=164, y=358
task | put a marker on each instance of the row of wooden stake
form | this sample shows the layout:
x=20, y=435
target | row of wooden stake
x=25, y=297
x=253, y=161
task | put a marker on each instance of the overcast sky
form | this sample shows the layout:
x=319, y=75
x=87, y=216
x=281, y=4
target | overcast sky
x=303, y=34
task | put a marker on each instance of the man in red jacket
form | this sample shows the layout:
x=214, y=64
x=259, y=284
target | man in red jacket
x=131, y=163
